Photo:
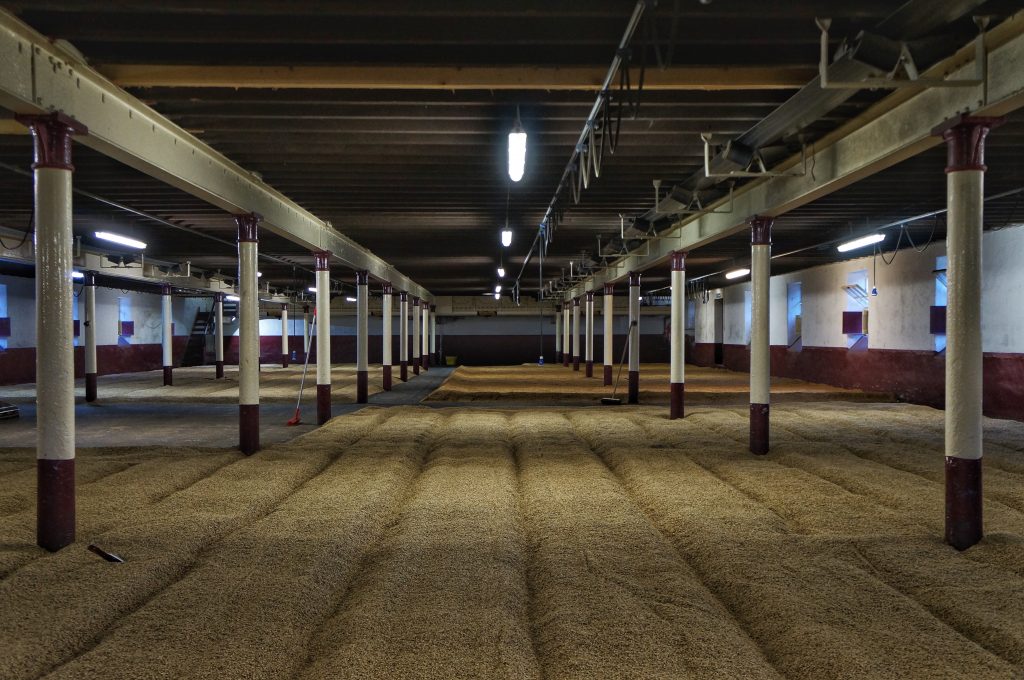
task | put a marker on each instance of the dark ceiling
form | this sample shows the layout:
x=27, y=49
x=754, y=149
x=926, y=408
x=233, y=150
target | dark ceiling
x=418, y=175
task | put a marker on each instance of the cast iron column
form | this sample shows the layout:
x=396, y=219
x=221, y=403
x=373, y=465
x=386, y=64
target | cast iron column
x=633, y=338
x=609, y=331
x=566, y=344
x=760, y=350
x=588, y=345
x=362, y=336
x=218, y=349
x=403, y=329
x=433, y=335
x=415, y=336
x=305, y=331
x=677, y=339
x=323, y=336
x=558, y=333
x=965, y=178
x=386, y=339
x=167, y=334
x=576, y=334
x=284, y=335
x=89, y=330
x=55, y=359
x=248, y=335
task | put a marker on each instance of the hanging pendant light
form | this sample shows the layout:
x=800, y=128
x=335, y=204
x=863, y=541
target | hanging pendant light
x=516, y=150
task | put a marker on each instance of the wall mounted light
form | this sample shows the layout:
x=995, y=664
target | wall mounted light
x=736, y=273
x=860, y=242
x=349, y=298
x=121, y=240
x=312, y=289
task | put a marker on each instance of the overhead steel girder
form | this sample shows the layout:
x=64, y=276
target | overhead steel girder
x=894, y=136
x=38, y=77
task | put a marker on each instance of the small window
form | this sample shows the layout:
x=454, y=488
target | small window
x=794, y=315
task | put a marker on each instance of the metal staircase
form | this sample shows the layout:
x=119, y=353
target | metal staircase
x=195, y=350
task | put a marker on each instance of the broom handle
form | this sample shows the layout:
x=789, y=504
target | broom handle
x=309, y=343
x=622, y=360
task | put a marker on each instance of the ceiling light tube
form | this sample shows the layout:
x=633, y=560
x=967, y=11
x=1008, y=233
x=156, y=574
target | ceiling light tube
x=516, y=152
x=231, y=298
x=736, y=273
x=868, y=240
x=350, y=299
x=312, y=289
x=77, y=275
x=122, y=240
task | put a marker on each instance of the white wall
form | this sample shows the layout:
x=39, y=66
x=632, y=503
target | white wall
x=898, y=317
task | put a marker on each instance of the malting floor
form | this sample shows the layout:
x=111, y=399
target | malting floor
x=416, y=542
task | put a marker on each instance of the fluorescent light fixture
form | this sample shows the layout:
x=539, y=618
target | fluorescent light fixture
x=860, y=242
x=506, y=237
x=231, y=298
x=351, y=299
x=497, y=296
x=501, y=272
x=77, y=275
x=312, y=289
x=516, y=152
x=122, y=240
x=736, y=273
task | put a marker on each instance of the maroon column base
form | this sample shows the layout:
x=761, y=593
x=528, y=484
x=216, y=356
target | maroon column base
x=387, y=378
x=634, y=388
x=90, y=387
x=249, y=428
x=416, y=365
x=565, y=359
x=362, y=387
x=323, y=404
x=220, y=369
x=575, y=363
x=55, y=503
x=558, y=357
x=403, y=371
x=675, y=405
x=168, y=375
x=607, y=374
x=424, y=362
x=284, y=361
x=590, y=369
x=759, y=429
x=963, y=502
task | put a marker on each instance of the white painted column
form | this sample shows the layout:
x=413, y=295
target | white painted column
x=218, y=349
x=322, y=260
x=633, y=338
x=55, y=365
x=588, y=344
x=433, y=335
x=609, y=332
x=576, y=334
x=248, y=334
x=284, y=335
x=362, y=336
x=558, y=333
x=566, y=344
x=965, y=181
x=89, y=331
x=167, y=333
x=416, y=336
x=403, y=336
x=386, y=337
x=760, y=349
x=425, y=335
x=677, y=341
x=305, y=330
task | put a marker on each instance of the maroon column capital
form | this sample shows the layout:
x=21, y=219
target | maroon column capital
x=965, y=141
x=575, y=302
x=165, y=289
x=52, y=134
x=678, y=259
x=248, y=227
x=322, y=260
x=386, y=289
x=634, y=278
x=89, y=278
x=609, y=289
x=761, y=230
x=362, y=278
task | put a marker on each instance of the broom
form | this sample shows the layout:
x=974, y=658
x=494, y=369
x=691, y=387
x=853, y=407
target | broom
x=612, y=400
x=296, y=419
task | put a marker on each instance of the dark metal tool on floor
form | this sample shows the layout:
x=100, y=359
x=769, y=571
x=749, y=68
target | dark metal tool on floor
x=297, y=419
x=613, y=400
x=109, y=557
